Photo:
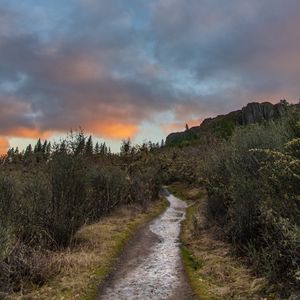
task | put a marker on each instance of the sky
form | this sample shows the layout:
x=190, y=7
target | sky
x=140, y=68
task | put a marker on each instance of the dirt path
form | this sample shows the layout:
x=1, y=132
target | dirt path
x=150, y=267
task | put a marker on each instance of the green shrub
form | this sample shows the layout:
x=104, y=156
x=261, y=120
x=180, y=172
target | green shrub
x=253, y=184
x=43, y=202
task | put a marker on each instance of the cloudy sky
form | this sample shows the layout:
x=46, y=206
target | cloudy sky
x=140, y=68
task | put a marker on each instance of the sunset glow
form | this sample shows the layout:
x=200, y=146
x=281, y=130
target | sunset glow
x=114, y=130
x=29, y=133
x=3, y=146
x=112, y=66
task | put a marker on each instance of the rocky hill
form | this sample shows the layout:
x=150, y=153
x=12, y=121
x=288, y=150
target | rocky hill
x=223, y=125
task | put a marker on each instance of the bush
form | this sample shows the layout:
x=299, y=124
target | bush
x=253, y=184
x=43, y=202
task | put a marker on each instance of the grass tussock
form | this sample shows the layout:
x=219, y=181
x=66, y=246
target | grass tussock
x=85, y=265
x=213, y=272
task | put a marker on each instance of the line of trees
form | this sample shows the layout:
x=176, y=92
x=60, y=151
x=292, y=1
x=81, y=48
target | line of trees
x=42, y=150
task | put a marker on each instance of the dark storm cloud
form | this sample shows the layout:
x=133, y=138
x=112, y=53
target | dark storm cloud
x=110, y=65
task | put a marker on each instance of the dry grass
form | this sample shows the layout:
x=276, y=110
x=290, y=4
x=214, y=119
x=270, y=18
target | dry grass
x=84, y=267
x=214, y=273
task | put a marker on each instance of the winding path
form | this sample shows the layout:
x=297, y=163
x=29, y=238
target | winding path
x=151, y=267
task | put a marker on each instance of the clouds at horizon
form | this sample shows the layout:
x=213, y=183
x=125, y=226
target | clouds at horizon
x=112, y=65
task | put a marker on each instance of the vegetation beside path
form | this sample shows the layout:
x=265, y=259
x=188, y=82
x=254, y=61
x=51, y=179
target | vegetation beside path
x=97, y=247
x=211, y=269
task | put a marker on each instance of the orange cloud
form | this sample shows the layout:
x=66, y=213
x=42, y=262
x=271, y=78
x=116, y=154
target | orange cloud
x=33, y=133
x=107, y=129
x=4, y=145
x=114, y=129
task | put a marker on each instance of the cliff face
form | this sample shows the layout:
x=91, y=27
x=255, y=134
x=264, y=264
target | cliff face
x=259, y=112
x=223, y=125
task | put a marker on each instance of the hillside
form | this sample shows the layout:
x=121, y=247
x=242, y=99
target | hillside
x=223, y=125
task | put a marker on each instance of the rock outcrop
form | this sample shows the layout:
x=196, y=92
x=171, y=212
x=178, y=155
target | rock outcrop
x=223, y=125
x=259, y=112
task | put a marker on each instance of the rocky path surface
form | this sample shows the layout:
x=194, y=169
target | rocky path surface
x=151, y=267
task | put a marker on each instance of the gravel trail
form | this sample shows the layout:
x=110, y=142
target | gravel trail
x=150, y=267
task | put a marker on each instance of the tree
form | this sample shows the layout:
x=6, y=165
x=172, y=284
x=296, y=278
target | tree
x=97, y=148
x=10, y=154
x=186, y=126
x=126, y=146
x=103, y=149
x=28, y=150
x=44, y=146
x=28, y=153
x=38, y=147
x=80, y=143
x=48, y=150
x=89, y=146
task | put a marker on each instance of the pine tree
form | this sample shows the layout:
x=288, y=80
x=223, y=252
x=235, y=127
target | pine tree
x=38, y=147
x=48, y=150
x=80, y=147
x=103, y=149
x=89, y=146
x=44, y=147
x=10, y=154
x=28, y=150
x=97, y=148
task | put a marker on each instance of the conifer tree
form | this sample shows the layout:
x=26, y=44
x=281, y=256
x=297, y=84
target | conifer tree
x=28, y=150
x=80, y=147
x=97, y=148
x=44, y=147
x=38, y=147
x=10, y=154
x=48, y=150
x=103, y=149
x=89, y=146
